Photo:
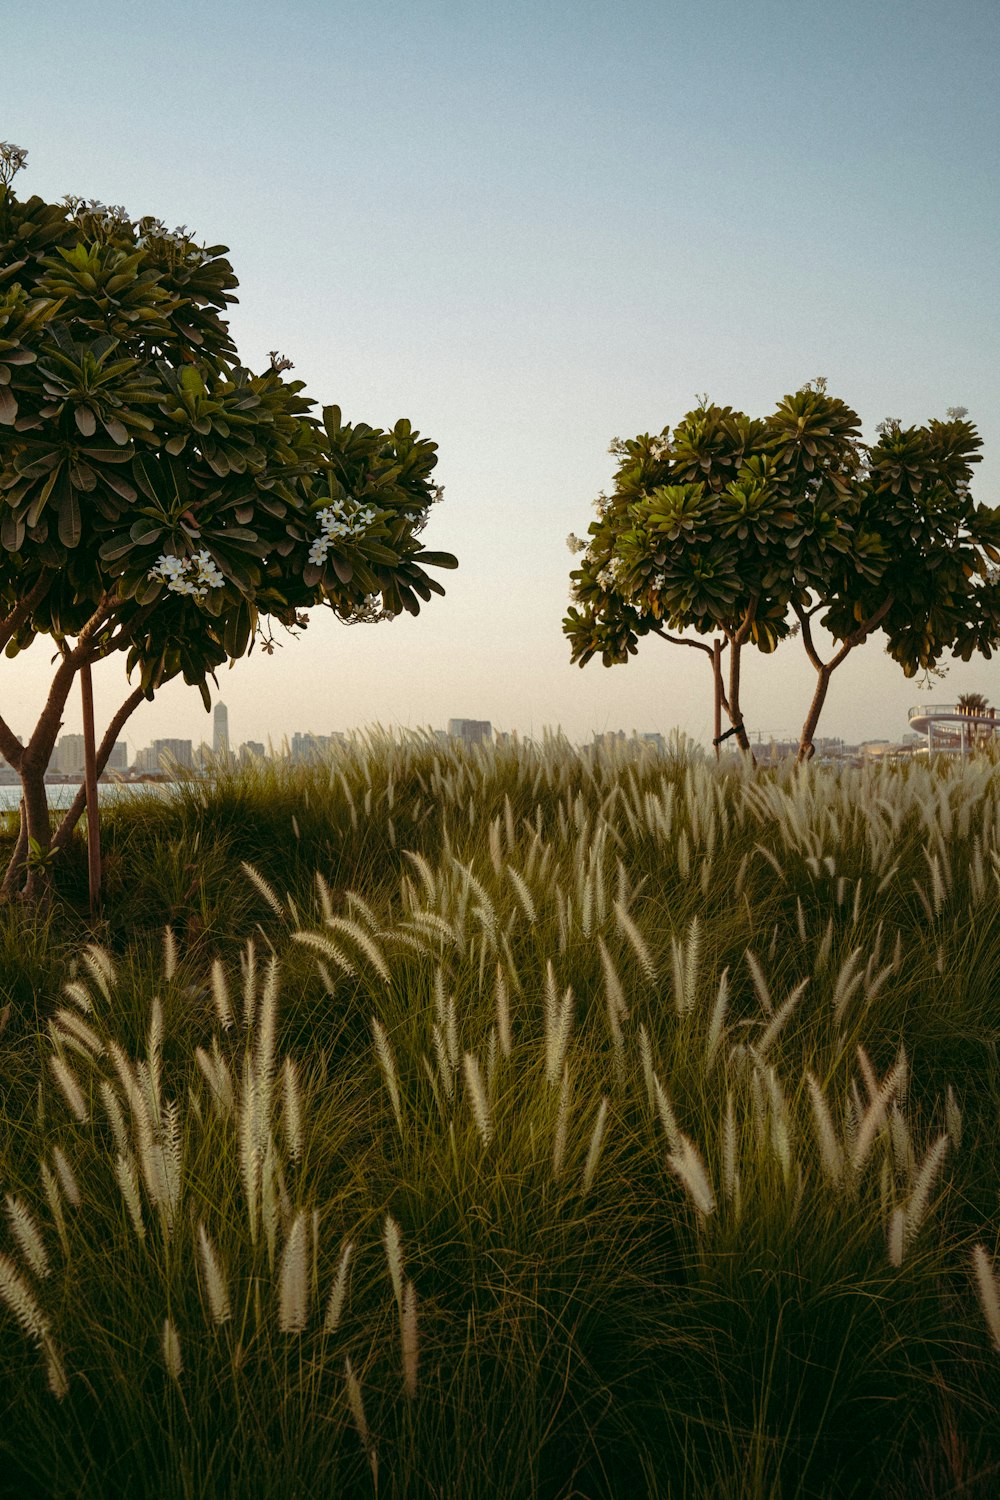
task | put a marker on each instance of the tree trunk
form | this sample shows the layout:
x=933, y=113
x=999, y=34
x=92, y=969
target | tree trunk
x=806, y=747
x=14, y=874
x=733, y=706
x=37, y=826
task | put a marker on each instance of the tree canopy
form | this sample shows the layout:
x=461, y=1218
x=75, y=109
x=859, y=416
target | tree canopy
x=158, y=497
x=748, y=528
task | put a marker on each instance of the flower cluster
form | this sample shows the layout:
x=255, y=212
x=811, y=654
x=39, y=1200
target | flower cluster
x=188, y=575
x=575, y=543
x=613, y=576
x=12, y=159
x=338, y=521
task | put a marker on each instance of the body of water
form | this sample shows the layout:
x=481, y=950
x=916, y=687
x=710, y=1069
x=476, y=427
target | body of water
x=107, y=791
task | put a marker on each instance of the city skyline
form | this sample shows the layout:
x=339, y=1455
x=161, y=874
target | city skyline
x=652, y=229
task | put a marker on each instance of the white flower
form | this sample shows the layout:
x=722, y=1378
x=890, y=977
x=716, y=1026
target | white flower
x=193, y=576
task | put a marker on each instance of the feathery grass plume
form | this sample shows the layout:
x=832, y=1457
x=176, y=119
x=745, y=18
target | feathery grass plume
x=292, y=1110
x=923, y=1186
x=249, y=1149
x=558, y=1019
x=388, y=1065
x=68, y=1182
x=779, y=1018
x=392, y=1240
x=800, y=918
x=248, y=969
x=80, y=996
x=356, y=903
x=729, y=1176
x=172, y=1350
x=896, y=1237
x=477, y=1098
x=68, y=1026
x=502, y=1000
x=325, y=899
x=495, y=846
x=363, y=940
x=214, y=1278
x=562, y=1126
x=824, y=949
x=523, y=894
x=634, y=937
x=594, y=1149
x=68, y=1086
x=55, y=1371
x=51, y=1190
x=874, y=1116
x=357, y=1406
x=154, y=1054
x=409, y=1339
x=16, y=1292
x=335, y=1302
x=128, y=1182
x=780, y=1133
x=320, y=943
x=830, y=1150
x=220, y=995
x=293, y=1280
x=685, y=959
x=267, y=1021
x=666, y=1113
x=687, y=1165
x=953, y=1116
x=171, y=1147
x=988, y=1287
x=759, y=982
x=849, y=980
x=717, y=1021
x=646, y=1058
x=169, y=954
x=28, y=1235
x=614, y=995
x=268, y=892
x=426, y=874
x=101, y=967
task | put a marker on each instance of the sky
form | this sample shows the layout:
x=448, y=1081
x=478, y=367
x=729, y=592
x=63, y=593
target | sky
x=530, y=228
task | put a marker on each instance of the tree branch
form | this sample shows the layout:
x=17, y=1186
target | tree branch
x=678, y=640
x=862, y=633
x=804, y=617
x=24, y=607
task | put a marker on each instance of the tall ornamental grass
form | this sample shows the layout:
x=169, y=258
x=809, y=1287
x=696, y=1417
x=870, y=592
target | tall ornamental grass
x=514, y=1123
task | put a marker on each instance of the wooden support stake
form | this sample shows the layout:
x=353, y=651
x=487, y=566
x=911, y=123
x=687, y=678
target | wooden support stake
x=717, y=672
x=90, y=785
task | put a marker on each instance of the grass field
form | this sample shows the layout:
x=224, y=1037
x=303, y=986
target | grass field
x=510, y=1123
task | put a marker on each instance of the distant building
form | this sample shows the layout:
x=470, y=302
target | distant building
x=312, y=747
x=220, y=730
x=655, y=739
x=118, y=759
x=252, y=750
x=67, y=757
x=162, y=755
x=471, y=731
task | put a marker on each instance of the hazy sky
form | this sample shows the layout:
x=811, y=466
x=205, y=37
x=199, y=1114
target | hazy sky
x=529, y=227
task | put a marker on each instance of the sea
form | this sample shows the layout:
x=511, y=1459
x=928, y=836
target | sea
x=61, y=794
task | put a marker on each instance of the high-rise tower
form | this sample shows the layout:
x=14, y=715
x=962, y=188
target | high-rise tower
x=220, y=730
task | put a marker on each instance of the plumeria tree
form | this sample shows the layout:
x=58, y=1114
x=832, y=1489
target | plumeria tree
x=158, y=498
x=747, y=529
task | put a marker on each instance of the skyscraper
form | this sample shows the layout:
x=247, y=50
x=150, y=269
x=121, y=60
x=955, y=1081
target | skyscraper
x=220, y=730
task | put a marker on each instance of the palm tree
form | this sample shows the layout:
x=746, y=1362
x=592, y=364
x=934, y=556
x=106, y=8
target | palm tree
x=972, y=703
